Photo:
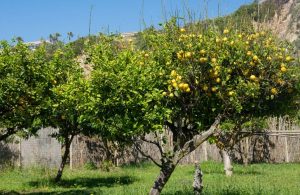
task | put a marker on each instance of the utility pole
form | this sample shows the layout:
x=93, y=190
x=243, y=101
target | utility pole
x=90, y=19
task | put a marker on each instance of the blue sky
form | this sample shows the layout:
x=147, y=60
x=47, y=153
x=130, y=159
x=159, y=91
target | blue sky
x=35, y=19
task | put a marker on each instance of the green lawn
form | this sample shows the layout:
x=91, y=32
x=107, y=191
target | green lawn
x=254, y=179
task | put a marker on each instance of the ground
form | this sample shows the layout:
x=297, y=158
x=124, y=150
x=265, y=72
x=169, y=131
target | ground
x=253, y=179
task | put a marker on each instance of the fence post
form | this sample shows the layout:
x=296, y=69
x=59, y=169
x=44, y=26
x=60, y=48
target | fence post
x=20, y=153
x=287, y=158
x=71, y=155
x=204, y=145
x=246, y=151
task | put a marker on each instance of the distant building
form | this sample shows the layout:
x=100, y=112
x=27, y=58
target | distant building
x=35, y=44
x=128, y=34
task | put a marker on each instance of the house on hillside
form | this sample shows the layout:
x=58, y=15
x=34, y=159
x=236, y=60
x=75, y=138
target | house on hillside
x=35, y=44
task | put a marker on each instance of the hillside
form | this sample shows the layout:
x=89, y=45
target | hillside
x=282, y=17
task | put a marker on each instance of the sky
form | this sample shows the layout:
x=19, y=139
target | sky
x=36, y=19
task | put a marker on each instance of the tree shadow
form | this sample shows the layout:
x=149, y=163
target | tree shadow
x=86, y=182
x=72, y=192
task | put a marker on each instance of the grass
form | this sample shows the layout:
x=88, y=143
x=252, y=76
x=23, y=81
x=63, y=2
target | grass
x=253, y=179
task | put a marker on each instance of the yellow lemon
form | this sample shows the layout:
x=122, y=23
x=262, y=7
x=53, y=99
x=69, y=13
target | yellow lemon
x=188, y=54
x=174, y=85
x=230, y=93
x=203, y=60
x=181, y=85
x=185, y=86
x=283, y=69
x=255, y=58
x=226, y=31
x=274, y=91
x=214, y=89
x=173, y=73
x=288, y=58
x=252, y=77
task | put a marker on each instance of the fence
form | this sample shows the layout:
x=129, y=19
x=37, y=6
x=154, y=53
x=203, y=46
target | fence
x=280, y=143
x=41, y=150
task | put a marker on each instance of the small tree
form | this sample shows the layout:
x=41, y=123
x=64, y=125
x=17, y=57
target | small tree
x=186, y=83
x=67, y=101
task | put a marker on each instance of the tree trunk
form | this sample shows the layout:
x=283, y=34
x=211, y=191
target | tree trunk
x=68, y=142
x=227, y=163
x=164, y=175
x=197, y=184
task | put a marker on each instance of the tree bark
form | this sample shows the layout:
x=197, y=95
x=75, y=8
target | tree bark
x=227, y=163
x=68, y=142
x=169, y=162
x=164, y=175
x=198, y=179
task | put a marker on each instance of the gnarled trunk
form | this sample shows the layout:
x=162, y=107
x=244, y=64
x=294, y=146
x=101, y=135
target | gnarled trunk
x=198, y=179
x=68, y=142
x=170, y=162
x=164, y=175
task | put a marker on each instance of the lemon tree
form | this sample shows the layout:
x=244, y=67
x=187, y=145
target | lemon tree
x=186, y=82
x=25, y=82
x=67, y=100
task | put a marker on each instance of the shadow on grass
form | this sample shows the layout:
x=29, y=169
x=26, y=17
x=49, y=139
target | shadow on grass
x=86, y=182
x=73, y=191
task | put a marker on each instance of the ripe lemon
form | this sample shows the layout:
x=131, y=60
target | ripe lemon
x=226, y=31
x=213, y=60
x=274, y=91
x=283, y=69
x=188, y=54
x=255, y=58
x=252, y=77
x=185, y=85
x=214, y=89
x=230, y=93
x=173, y=73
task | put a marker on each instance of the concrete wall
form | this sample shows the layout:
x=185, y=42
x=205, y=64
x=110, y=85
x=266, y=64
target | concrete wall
x=42, y=150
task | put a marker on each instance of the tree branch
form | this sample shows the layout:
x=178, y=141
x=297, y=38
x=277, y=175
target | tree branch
x=197, y=140
x=154, y=143
x=146, y=155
